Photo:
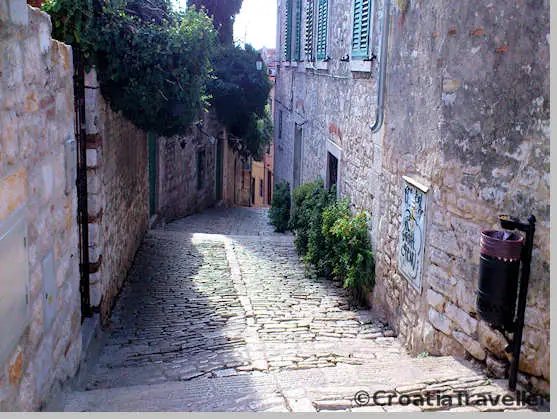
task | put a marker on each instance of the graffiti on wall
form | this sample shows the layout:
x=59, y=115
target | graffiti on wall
x=412, y=234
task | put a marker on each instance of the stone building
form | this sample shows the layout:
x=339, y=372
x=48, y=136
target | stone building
x=40, y=326
x=443, y=101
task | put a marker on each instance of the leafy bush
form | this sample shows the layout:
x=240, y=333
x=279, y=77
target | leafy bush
x=155, y=73
x=310, y=200
x=279, y=213
x=153, y=63
x=349, y=250
x=330, y=238
x=300, y=216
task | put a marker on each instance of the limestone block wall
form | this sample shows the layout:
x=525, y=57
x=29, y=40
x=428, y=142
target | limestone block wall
x=179, y=191
x=118, y=195
x=467, y=114
x=36, y=120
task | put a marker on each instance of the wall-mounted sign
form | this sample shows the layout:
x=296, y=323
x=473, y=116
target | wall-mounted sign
x=412, y=233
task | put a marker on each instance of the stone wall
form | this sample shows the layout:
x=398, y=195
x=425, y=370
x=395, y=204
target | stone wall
x=180, y=190
x=467, y=115
x=36, y=120
x=118, y=195
x=236, y=180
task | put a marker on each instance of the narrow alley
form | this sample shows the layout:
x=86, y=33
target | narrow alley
x=232, y=322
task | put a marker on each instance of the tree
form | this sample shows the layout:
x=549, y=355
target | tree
x=239, y=95
x=223, y=13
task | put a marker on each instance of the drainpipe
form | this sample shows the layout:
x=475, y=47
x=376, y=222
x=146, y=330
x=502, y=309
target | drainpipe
x=380, y=110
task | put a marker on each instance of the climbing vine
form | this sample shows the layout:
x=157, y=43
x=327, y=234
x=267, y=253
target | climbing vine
x=160, y=67
x=153, y=63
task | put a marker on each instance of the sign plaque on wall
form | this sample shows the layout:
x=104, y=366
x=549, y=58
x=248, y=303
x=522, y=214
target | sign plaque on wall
x=410, y=252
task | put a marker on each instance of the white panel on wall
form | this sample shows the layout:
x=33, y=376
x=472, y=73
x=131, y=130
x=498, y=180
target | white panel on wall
x=412, y=232
x=14, y=280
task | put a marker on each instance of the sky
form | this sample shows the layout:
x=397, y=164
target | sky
x=255, y=24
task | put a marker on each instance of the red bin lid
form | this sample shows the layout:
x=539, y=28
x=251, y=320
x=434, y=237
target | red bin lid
x=501, y=244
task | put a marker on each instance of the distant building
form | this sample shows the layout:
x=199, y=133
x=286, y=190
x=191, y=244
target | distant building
x=262, y=172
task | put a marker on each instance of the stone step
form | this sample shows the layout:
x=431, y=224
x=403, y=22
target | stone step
x=260, y=391
x=239, y=393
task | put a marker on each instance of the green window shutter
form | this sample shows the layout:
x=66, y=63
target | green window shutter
x=298, y=39
x=288, y=31
x=308, y=49
x=361, y=29
x=322, y=23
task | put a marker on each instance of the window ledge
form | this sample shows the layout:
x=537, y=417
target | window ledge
x=360, y=65
x=321, y=65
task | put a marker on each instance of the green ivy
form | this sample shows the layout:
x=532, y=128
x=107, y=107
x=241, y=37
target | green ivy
x=279, y=213
x=71, y=20
x=155, y=73
x=153, y=63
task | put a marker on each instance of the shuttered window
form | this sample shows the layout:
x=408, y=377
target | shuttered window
x=288, y=31
x=308, y=47
x=322, y=24
x=362, y=28
x=298, y=38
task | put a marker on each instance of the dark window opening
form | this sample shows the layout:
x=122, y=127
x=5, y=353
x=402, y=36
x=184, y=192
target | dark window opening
x=261, y=186
x=280, y=125
x=332, y=169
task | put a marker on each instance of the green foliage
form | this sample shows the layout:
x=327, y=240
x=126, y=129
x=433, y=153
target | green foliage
x=239, y=95
x=310, y=200
x=155, y=73
x=259, y=134
x=153, y=63
x=348, y=247
x=279, y=213
x=71, y=20
x=330, y=238
x=223, y=13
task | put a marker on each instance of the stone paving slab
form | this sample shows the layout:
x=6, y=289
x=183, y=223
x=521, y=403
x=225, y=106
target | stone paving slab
x=219, y=314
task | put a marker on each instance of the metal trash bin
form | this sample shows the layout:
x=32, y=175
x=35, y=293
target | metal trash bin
x=500, y=253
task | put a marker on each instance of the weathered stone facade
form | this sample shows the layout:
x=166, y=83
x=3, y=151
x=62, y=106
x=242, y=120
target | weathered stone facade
x=187, y=170
x=118, y=195
x=466, y=115
x=236, y=174
x=36, y=121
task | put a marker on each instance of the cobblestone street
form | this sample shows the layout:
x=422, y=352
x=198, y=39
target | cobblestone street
x=218, y=314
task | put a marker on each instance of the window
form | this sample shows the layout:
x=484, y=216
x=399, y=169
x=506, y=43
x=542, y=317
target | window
x=332, y=169
x=261, y=186
x=308, y=46
x=200, y=169
x=322, y=27
x=298, y=38
x=333, y=166
x=361, y=29
x=280, y=125
x=288, y=31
